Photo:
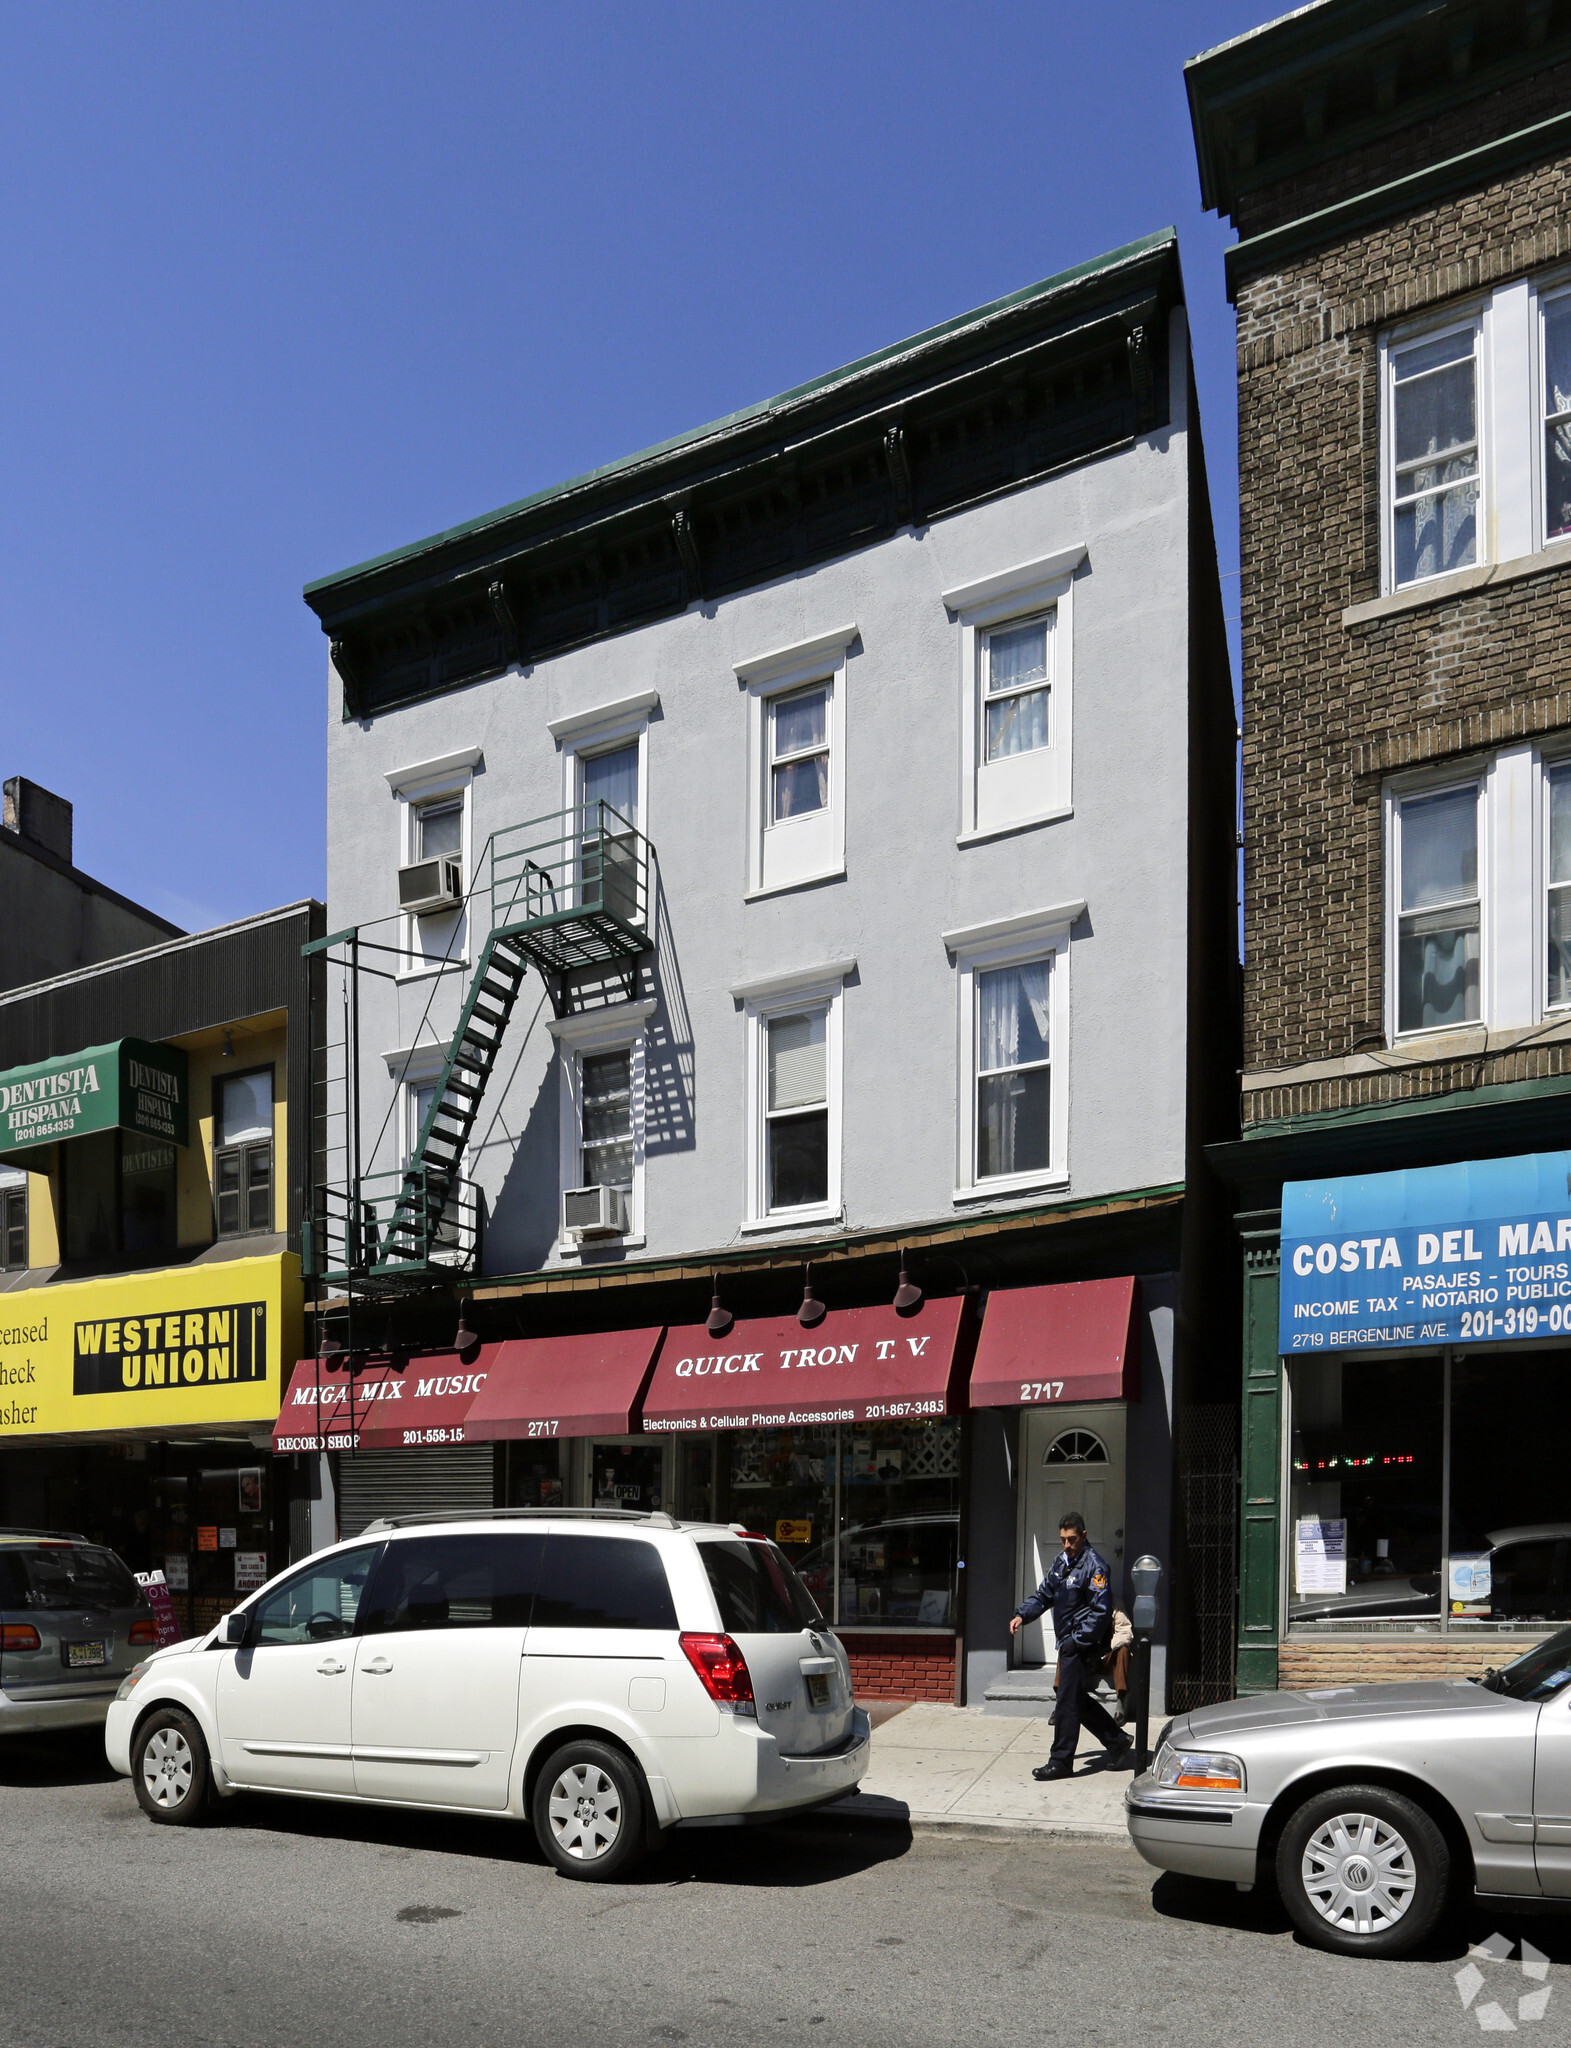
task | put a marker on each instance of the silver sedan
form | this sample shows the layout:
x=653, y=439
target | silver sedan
x=1366, y=1805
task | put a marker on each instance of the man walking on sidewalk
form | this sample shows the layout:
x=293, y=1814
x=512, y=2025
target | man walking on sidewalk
x=1079, y=1591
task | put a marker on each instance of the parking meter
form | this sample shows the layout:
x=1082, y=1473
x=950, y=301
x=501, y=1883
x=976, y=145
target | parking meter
x=1145, y=1575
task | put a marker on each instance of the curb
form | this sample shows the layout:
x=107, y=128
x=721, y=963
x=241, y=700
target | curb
x=871, y=1811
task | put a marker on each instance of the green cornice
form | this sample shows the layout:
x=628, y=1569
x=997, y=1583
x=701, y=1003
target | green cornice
x=713, y=437
x=1475, y=167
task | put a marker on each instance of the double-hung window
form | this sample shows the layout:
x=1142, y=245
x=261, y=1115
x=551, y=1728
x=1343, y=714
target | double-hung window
x=1012, y=1083
x=243, y=1153
x=605, y=1082
x=797, y=765
x=1556, y=345
x=435, y=823
x=796, y=1111
x=1013, y=1070
x=1557, y=877
x=1434, y=455
x=798, y=753
x=1438, y=916
x=1015, y=703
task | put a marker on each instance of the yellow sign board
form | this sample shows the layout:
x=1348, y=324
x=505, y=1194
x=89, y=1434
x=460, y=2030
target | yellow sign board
x=182, y=1348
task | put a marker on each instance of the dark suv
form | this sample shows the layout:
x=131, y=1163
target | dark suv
x=72, y=1623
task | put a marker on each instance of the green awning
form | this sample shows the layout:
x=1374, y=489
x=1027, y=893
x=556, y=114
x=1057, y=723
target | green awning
x=130, y=1085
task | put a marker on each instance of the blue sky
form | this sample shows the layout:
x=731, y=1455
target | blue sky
x=290, y=285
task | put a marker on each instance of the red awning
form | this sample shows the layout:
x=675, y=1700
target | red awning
x=564, y=1386
x=859, y=1365
x=1078, y=1342
x=384, y=1404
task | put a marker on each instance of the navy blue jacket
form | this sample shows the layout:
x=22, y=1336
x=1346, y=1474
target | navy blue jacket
x=1079, y=1590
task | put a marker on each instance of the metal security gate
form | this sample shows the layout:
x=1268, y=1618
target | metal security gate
x=452, y=1478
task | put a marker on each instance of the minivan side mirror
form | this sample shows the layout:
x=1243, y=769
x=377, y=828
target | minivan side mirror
x=236, y=1628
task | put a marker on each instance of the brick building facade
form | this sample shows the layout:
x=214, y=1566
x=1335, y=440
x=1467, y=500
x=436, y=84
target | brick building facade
x=1400, y=181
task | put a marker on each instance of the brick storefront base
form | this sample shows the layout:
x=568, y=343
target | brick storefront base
x=886, y=1666
x=1355, y=1660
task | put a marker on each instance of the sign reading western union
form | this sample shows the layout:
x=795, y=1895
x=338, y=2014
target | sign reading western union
x=171, y=1349
x=132, y=1084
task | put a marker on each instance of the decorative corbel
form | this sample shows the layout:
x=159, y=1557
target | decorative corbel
x=1142, y=370
x=507, y=621
x=348, y=675
x=895, y=454
x=687, y=547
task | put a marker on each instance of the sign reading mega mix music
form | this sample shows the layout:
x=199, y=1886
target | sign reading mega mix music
x=176, y=1348
x=1476, y=1252
x=132, y=1085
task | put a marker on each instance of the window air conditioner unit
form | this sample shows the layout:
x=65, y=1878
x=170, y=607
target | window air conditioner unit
x=427, y=885
x=594, y=1212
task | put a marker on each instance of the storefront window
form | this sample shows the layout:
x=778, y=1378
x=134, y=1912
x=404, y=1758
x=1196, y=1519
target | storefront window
x=119, y=1194
x=1364, y=1545
x=869, y=1516
x=532, y=1476
x=1510, y=1552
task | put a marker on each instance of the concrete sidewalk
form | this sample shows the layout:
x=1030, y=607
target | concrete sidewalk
x=958, y=1767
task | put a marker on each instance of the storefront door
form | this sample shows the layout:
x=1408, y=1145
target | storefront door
x=1072, y=1457
x=628, y=1475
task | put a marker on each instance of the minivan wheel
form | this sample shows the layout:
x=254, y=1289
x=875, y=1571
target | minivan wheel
x=1363, y=1871
x=169, y=1769
x=588, y=1811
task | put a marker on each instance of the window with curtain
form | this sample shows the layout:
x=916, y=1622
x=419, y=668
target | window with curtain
x=1558, y=873
x=1013, y=1070
x=606, y=1121
x=1438, y=939
x=1015, y=702
x=612, y=779
x=1434, y=440
x=1557, y=417
x=798, y=753
x=797, y=1109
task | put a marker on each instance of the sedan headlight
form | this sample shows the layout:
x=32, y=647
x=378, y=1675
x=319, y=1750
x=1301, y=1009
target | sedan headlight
x=133, y=1678
x=1197, y=1770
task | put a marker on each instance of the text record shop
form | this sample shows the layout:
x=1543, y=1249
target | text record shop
x=851, y=1443
x=1425, y=1331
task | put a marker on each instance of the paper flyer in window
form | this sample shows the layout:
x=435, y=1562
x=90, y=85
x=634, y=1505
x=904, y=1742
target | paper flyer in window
x=1320, y=1555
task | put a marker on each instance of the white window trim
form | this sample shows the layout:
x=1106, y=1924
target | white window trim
x=1556, y=285
x=1401, y=789
x=409, y=1068
x=1011, y=942
x=625, y=1025
x=1039, y=586
x=1545, y=762
x=822, y=659
x=782, y=996
x=604, y=731
x=1391, y=344
x=452, y=775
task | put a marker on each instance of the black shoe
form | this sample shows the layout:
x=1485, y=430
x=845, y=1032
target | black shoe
x=1117, y=1751
x=1048, y=1771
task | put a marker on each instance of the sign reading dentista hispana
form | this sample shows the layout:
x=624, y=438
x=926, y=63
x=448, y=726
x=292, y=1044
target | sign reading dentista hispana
x=1476, y=1252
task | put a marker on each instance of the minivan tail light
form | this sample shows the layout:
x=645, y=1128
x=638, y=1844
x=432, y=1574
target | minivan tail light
x=143, y=1632
x=18, y=1635
x=722, y=1667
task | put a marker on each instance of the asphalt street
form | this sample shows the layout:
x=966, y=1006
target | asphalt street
x=293, y=1921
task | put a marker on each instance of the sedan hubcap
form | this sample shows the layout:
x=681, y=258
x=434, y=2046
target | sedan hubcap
x=167, y=1764
x=1358, y=1873
x=586, y=1812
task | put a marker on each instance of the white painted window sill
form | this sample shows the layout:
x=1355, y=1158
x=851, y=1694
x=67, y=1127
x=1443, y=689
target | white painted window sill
x=794, y=1219
x=1463, y=583
x=1010, y=1185
x=981, y=833
x=836, y=874
x=430, y=973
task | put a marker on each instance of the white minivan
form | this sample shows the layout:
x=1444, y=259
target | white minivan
x=604, y=1674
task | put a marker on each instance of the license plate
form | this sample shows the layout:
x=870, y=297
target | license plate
x=818, y=1688
x=78, y=1655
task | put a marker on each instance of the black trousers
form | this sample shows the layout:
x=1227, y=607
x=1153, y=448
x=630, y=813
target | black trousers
x=1076, y=1704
